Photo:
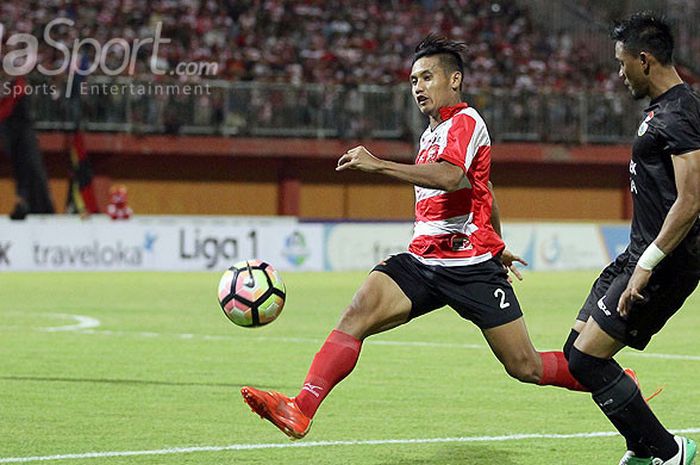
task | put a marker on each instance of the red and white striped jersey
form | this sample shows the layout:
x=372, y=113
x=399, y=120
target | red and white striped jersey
x=454, y=228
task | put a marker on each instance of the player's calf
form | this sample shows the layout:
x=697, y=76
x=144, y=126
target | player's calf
x=555, y=372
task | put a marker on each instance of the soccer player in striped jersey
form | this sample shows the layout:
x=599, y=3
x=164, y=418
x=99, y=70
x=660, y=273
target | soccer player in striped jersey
x=456, y=258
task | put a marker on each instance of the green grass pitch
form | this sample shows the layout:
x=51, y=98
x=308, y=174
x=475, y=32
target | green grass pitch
x=164, y=367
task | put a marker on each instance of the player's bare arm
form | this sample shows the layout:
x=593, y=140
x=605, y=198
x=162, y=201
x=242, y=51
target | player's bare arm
x=441, y=175
x=680, y=219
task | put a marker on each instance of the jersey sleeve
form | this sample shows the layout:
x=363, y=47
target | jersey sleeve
x=683, y=135
x=459, y=148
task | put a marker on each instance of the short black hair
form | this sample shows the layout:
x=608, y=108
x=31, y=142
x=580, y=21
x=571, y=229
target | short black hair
x=645, y=32
x=450, y=52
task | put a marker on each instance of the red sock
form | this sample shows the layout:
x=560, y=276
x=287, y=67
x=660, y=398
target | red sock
x=331, y=365
x=555, y=372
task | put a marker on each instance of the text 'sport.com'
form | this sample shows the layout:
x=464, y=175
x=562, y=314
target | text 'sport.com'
x=115, y=57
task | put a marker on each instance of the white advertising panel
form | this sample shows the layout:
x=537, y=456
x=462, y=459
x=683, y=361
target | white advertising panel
x=360, y=246
x=557, y=246
x=157, y=243
x=67, y=243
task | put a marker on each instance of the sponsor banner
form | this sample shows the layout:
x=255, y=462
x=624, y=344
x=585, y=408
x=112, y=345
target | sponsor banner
x=64, y=243
x=360, y=246
x=545, y=246
x=157, y=243
x=298, y=247
x=557, y=246
x=616, y=237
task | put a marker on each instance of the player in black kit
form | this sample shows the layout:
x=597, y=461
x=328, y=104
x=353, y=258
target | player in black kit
x=636, y=295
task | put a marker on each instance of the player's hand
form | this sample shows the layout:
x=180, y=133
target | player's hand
x=633, y=292
x=509, y=259
x=358, y=158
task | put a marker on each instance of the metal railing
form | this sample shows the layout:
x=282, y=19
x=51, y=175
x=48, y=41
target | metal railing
x=313, y=110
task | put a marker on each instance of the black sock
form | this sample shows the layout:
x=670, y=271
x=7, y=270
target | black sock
x=573, y=335
x=620, y=400
x=640, y=450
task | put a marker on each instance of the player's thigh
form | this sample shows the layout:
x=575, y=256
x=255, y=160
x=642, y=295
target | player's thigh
x=603, y=333
x=377, y=306
x=596, y=342
x=606, y=331
x=578, y=325
x=512, y=346
x=596, y=297
x=479, y=293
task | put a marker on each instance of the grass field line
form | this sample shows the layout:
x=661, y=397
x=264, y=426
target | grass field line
x=376, y=342
x=295, y=445
x=81, y=322
x=85, y=324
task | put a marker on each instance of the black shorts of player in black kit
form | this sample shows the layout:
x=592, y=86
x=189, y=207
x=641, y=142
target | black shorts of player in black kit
x=480, y=293
x=669, y=286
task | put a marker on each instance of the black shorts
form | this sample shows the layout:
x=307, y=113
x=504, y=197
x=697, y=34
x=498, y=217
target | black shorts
x=668, y=288
x=480, y=293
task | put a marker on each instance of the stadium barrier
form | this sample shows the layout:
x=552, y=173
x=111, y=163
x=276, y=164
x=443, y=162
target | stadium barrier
x=260, y=109
x=542, y=182
x=197, y=243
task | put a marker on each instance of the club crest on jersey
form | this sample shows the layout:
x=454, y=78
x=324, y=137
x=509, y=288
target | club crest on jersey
x=645, y=124
x=432, y=152
x=430, y=155
x=460, y=243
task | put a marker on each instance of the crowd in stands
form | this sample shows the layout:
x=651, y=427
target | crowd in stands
x=513, y=64
x=350, y=42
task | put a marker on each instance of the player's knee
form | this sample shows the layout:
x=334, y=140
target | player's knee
x=584, y=367
x=351, y=321
x=612, y=389
x=356, y=319
x=524, y=368
x=577, y=365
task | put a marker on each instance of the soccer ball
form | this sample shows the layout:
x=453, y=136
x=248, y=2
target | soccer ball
x=251, y=293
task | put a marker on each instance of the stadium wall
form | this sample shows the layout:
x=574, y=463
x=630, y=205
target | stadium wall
x=253, y=176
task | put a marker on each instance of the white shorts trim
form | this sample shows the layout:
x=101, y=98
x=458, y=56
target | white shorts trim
x=453, y=261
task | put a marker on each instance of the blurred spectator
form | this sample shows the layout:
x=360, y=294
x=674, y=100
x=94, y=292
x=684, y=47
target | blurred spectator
x=118, y=207
x=19, y=141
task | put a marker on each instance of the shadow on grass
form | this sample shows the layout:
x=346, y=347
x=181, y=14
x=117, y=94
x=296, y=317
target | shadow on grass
x=137, y=382
x=458, y=454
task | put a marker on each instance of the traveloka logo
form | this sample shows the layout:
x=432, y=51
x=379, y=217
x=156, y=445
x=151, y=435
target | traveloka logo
x=149, y=242
x=5, y=252
x=295, y=249
x=95, y=254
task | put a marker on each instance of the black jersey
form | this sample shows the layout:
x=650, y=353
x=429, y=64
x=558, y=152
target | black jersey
x=670, y=126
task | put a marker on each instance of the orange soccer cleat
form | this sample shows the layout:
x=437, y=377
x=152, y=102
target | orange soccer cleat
x=279, y=409
x=630, y=372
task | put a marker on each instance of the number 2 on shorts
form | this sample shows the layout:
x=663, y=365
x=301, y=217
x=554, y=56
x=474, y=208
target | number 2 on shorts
x=501, y=294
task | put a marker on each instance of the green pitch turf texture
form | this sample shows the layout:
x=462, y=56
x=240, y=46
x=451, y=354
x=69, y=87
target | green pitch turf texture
x=164, y=367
